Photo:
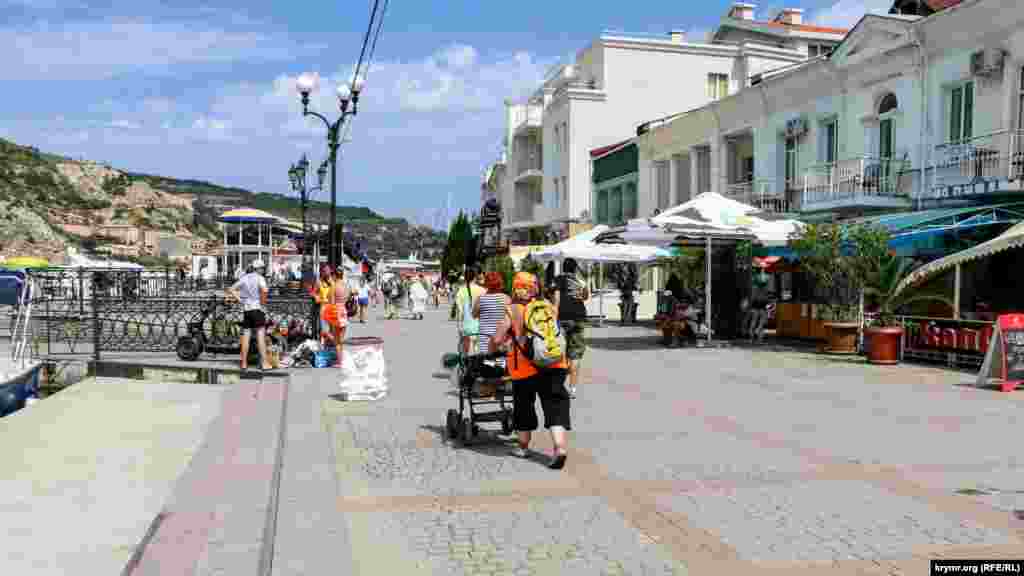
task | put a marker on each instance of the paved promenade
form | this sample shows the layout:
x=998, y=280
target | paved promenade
x=733, y=461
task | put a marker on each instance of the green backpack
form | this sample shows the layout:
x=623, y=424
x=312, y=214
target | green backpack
x=544, y=342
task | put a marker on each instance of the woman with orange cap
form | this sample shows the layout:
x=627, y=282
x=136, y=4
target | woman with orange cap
x=530, y=382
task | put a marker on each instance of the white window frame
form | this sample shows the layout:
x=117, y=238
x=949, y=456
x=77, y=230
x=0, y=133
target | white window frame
x=791, y=159
x=557, y=196
x=717, y=85
x=663, y=183
x=815, y=49
x=965, y=130
x=830, y=124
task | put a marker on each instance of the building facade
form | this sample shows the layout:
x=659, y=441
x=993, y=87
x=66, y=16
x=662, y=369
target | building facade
x=911, y=111
x=617, y=83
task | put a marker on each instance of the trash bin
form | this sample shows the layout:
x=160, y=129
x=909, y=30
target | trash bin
x=363, y=370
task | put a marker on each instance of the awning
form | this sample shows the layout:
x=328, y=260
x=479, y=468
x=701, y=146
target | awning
x=248, y=215
x=1012, y=238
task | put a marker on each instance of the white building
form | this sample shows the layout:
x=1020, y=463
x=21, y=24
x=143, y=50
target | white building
x=911, y=111
x=614, y=85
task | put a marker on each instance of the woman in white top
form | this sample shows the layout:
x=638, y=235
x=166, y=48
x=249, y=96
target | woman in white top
x=364, y=300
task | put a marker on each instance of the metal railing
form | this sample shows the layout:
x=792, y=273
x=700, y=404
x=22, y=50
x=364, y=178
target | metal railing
x=993, y=158
x=957, y=343
x=856, y=178
x=91, y=311
x=759, y=193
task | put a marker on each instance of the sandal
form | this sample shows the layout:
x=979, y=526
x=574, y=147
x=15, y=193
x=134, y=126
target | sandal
x=558, y=463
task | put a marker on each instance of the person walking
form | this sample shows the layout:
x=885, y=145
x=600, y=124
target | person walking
x=490, y=310
x=364, y=300
x=570, y=298
x=251, y=292
x=418, y=295
x=465, y=301
x=530, y=381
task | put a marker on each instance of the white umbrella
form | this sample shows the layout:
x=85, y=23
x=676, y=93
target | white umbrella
x=706, y=220
x=584, y=248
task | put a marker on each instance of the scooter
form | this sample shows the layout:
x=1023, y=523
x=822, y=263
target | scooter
x=224, y=335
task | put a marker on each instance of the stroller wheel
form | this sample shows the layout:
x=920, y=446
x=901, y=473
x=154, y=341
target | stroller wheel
x=451, y=427
x=468, y=431
x=506, y=424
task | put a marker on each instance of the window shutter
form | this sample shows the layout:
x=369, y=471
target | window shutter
x=968, y=117
x=955, y=109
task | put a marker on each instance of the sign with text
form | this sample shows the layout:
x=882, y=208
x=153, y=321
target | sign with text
x=1004, y=361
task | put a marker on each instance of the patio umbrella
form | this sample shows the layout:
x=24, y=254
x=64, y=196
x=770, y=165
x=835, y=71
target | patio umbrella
x=706, y=220
x=583, y=247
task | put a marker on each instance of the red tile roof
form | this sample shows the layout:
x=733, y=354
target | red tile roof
x=606, y=149
x=941, y=4
x=812, y=28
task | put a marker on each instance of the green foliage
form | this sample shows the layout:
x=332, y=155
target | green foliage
x=823, y=255
x=454, y=258
x=118, y=185
x=882, y=287
x=689, y=265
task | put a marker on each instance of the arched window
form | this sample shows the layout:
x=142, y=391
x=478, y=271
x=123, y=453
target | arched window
x=888, y=103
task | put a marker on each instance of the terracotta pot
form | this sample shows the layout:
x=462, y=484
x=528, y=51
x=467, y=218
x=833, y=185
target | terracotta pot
x=842, y=337
x=885, y=344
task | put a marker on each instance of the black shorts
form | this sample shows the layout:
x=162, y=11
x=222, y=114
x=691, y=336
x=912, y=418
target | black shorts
x=254, y=319
x=549, y=385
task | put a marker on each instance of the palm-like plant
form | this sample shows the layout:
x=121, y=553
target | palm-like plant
x=882, y=285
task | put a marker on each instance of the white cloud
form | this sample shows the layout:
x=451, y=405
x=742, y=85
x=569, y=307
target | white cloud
x=846, y=13
x=212, y=129
x=124, y=125
x=98, y=50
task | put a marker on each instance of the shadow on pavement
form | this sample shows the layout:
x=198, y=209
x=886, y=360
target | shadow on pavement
x=626, y=343
x=488, y=443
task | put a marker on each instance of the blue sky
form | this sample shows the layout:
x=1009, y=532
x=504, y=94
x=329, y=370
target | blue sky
x=182, y=89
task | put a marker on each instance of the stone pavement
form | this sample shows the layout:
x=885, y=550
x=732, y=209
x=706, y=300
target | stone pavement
x=718, y=461
x=730, y=461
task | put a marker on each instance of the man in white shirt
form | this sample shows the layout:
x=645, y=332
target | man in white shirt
x=251, y=292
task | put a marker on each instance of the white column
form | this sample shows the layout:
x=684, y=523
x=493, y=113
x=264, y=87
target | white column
x=673, y=177
x=694, y=173
x=717, y=163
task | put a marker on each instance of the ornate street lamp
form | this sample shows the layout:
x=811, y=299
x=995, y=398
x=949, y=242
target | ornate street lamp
x=347, y=94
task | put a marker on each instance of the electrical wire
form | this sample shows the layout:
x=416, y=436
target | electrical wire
x=369, y=60
x=366, y=41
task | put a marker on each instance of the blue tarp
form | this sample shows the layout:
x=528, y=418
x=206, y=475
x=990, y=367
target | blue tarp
x=11, y=284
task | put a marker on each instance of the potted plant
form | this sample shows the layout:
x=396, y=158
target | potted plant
x=882, y=286
x=824, y=255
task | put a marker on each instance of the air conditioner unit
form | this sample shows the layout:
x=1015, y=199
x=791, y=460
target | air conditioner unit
x=796, y=127
x=987, y=63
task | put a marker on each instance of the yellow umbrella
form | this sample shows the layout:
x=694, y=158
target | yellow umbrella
x=19, y=262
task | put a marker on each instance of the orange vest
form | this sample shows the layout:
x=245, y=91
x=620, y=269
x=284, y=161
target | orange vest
x=519, y=366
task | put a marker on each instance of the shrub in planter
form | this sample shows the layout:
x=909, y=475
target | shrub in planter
x=882, y=286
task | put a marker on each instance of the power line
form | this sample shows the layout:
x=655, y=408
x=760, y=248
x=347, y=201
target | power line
x=366, y=41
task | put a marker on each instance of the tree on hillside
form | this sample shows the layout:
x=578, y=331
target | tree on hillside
x=454, y=257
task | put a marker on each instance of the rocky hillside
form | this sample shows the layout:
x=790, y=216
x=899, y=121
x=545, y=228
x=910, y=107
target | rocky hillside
x=49, y=202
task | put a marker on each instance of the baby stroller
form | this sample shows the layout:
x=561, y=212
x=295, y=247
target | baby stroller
x=485, y=395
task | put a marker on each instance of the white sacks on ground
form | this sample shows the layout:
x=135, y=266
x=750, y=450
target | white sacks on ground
x=363, y=371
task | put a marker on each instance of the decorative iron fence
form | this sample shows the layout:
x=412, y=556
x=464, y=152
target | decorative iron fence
x=79, y=312
x=856, y=178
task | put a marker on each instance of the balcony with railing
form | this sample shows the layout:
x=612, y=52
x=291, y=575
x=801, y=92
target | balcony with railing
x=984, y=164
x=759, y=193
x=857, y=183
x=529, y=163
x=528, y=119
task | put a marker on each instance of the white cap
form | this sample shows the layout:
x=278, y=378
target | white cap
x=257, y=264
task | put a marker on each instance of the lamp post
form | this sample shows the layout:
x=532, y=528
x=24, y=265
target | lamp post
x=347, y=94
x=297, y=176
